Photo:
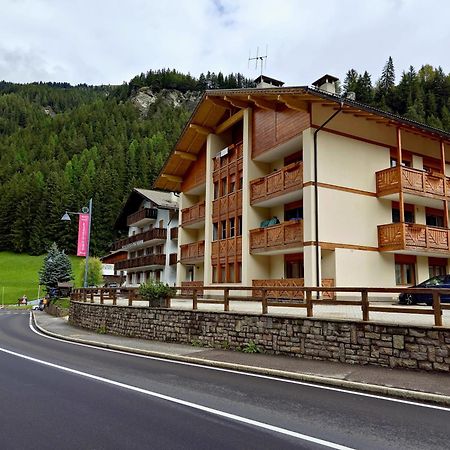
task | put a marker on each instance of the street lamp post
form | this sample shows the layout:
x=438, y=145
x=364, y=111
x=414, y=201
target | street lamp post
x=66, y=218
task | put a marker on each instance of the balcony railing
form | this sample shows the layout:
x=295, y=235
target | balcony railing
x=141, y=215
x=154, y=234
x=413, y=237
x=192, y=215
x=192, y=253
x=142, y=261
x=414, y=181
x=283, y=181
x=227, y=204
x=277, y=237
x=227, y=247
x=174, y=233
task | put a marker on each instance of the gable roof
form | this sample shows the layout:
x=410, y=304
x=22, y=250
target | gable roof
x=216, y=106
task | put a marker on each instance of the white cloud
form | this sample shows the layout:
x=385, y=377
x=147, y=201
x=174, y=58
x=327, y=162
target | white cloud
x=109, y=41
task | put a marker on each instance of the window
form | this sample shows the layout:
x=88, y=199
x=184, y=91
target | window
x=241, y=180
x=223, y=229
x=190, y=274
x=239, y=272
x=232, y=185
x=295, y=213
x=222, y=273
x=231, y=273
x=223, y=189
x=231, y=227
x=405, y=270
x=216, y=190
x=293, y=266
x=215, y=231
x=239, y=226
x=437, y=266
x=161, y=224
x=409, y=213
x=214, y=273
x=434, y=217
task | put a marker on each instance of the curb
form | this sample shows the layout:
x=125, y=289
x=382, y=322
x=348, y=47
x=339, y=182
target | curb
x=407, y=394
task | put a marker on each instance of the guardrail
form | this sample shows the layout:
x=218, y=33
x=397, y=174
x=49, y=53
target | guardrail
x=305, y=298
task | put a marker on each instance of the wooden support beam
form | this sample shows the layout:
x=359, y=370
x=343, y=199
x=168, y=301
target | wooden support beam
x=261, y=103
x=399, y=166
x=292, y=103
x=201, y=129
x=236, y=102
x=229, y=122
x=219, y=102
x=172, y=178
x=185, y=155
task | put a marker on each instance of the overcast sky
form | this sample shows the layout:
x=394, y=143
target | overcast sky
x=110, y=41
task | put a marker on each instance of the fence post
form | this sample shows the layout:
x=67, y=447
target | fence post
x=365, y=305
x=309, y=304
x=194, y=298
x=101, y=296
x=264, y=300
x=114, y=297
x=226, y=299
x=130, y=297
x=92, y=295
x=437, y=309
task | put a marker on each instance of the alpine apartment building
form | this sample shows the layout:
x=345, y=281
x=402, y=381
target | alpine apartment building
x=151, y=218
x=252, y=164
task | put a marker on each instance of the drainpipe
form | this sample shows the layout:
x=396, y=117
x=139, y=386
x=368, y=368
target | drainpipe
x=316, y=193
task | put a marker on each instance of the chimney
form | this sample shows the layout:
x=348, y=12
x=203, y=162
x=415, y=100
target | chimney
x=326, y=83
x=263, y=82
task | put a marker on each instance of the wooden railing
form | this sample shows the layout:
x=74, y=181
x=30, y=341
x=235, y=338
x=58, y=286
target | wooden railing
x=191, y=253
x=145, y=213
x=149, y=235
x=284, y=235
x=141, y=261
x=311, y=298
x=229, y=247
x=413, y=236
x=229, y=203
x=414, y=181
x=285, y=180
x=193, y=214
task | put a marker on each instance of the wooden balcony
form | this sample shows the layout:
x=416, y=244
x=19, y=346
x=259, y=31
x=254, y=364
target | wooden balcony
x=288, y=282
x=280, y=187
x=227, y=247
x=142, y=261
x=192, y=253
x=154, y=235
x=413, y=238
x=141, y=217
x=174, y=233
x=194, y=216
x=227, y=204
x=286, y=237
x=415, y=183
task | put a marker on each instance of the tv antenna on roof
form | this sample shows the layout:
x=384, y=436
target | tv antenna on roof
x=259, y=59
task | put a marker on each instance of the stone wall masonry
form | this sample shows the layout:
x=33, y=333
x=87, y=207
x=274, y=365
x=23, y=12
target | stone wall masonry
x=355, y=342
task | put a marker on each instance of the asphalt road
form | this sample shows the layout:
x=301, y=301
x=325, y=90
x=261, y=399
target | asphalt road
x=58, y=395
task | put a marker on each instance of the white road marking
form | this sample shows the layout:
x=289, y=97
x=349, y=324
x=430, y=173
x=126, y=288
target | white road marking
x=178, y=401
x=238, y=372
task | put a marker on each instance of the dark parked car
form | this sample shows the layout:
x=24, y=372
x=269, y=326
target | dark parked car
x=441, y=281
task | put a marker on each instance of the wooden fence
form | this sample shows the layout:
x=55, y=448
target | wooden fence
x=311, y=297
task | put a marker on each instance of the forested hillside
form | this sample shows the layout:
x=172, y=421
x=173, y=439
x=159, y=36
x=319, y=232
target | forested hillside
x=62, y=144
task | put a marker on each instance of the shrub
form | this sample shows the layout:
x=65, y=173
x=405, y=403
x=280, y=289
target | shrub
x=155, y=292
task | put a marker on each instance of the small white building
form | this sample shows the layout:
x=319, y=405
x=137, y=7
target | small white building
x=151, y=244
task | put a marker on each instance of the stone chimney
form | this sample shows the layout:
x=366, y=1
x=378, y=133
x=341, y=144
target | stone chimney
x=266, y=82
x=326, y=83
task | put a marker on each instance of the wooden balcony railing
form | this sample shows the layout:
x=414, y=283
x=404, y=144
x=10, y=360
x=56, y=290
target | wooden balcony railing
x=414, y=237
x=288, y=283
x=282, y=181
x=284, y=235
x=235, y=153
x=227, y=204
x=227, y=247
x=146, y=213
x=414, y=181
x=154, y=234
x=193, y=214
x=141, y=261
x=192, y=253
x=174, y=233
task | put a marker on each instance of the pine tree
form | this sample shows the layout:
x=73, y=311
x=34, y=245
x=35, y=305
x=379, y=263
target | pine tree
x=56, y=268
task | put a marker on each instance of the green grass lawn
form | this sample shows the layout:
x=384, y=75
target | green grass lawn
x=19, y=275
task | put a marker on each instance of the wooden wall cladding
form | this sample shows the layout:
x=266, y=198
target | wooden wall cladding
x=196, y=174
x=271, y=128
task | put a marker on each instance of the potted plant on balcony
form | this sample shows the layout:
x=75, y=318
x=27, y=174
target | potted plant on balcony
x=156, y=293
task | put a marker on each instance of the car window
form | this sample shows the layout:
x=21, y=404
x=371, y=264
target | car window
x=435, y=281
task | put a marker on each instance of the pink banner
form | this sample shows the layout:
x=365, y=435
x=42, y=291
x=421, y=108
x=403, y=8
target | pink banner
x=83, y=234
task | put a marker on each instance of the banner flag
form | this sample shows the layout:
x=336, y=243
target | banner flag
x=83, y=234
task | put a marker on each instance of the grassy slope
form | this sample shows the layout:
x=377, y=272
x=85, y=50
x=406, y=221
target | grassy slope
x=19, y=275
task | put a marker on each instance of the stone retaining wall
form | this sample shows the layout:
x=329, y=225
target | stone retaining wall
x=354, y=342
